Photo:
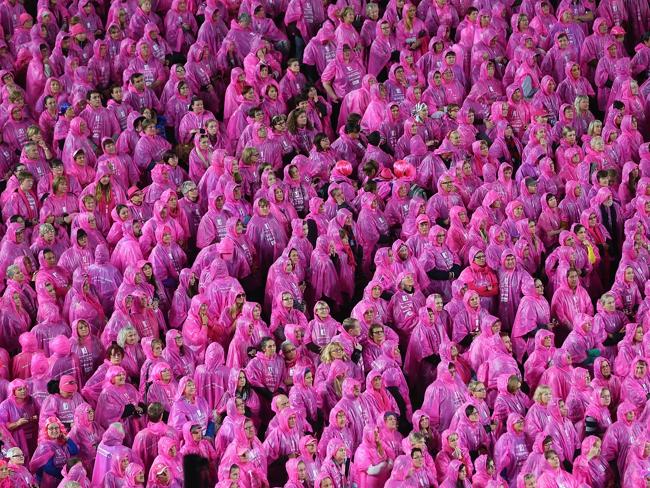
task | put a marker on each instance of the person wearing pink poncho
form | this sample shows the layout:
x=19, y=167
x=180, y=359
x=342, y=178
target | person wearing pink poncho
x=511, y=451
x=110, y=448
x=245, y=444
x=189, y=407
x=63, y=401
x=145, y=444
x=119, y=402
x=591, y=467
x=467, y=324
x=53, y=451
x=19, y=415
x=86, y=434
x=428, y=335
x=553, y=475
x=160, y=386
x=582, y=344
x=444, y=396
x=61, y=361
x=570, y=298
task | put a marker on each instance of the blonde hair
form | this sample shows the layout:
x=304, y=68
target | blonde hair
x=326, y=354
x=541, y=389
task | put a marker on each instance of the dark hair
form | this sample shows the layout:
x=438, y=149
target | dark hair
x=167, y=155
x=374, y=138
x=134, y=76
x=155, y=411
x=351, y=127
x=91, y=92
x=73, y=461
x=263, y=342
x=113, y=349
x=25, y=175
x=318, y=138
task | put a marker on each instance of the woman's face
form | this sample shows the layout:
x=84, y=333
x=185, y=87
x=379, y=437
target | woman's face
x=53, y=431
x=337, y=352
x=82, y=329
x=131, y=337
x=605, y=398
x=545, y=397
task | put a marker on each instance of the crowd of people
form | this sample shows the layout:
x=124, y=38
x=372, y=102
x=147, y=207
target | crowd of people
x=325, y=245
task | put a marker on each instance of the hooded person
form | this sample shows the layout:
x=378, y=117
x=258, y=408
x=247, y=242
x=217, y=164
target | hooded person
x=119, y=402
x=570, y=298
x=554, y=475
x=189, y=407
x=469, y=320
x=110, y=448
x=636, y=383
x=61, y=361
x=20, y=365
x=621, y=435
x=53, y=451
x=63, y=401
x=561, y=429
x=582, y=344
x=629, y=348
x=245, y=443
x=428, y=335
x=266, y=233
x=283, y=440
x=168, y=453
x=160, y=386
x=511, y=451
x=18, y=413
x=86, y=434
x=590, y=467
x=446, y=394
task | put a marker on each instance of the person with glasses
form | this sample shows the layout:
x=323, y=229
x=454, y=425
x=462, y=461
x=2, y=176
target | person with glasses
x=424, y=474
x=53, y=451
x=372, y=460
x=266, y=233
x=482, y=279
x=19, y=475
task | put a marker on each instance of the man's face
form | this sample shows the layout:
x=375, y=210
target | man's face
x=95, y=100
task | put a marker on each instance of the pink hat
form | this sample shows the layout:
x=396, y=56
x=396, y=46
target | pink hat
x=77, y=29
x=132, y=191
x=226, y=247
x=68, y=384
x=386, y=174
x=617, y=30
x=343, y=167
